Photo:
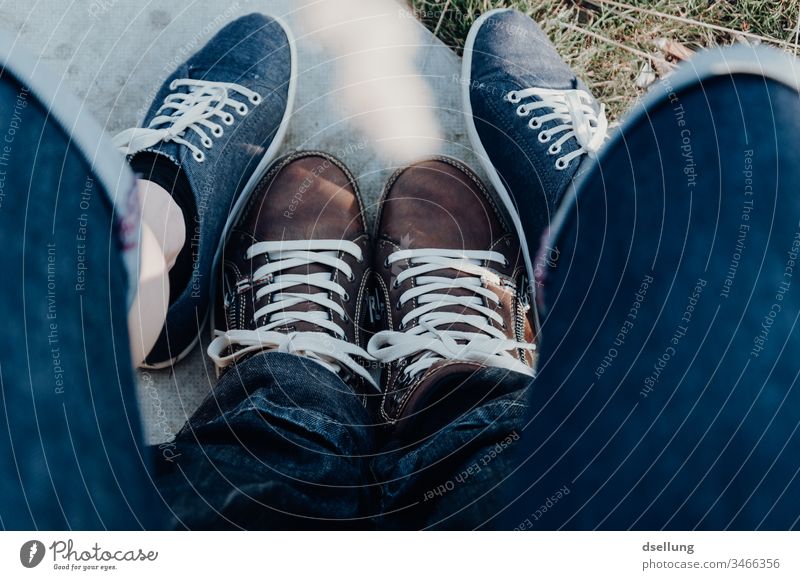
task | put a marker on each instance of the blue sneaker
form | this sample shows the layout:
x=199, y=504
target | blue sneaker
x=218, y=120
x=530, y=120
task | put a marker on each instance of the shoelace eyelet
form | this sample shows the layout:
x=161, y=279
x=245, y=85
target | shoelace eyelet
x=522, y=111
x=534, y=123
x=242, y=110
x=173, y=85
x=346, y=297
x=544, y=137
x=199, y=156
x=512, y=97
x=561, y=164
x=255, y=99
x=395, y=284
x=207, y=143
x=228, y=119
x=217, y=131
x=386, y=263
x=398, y=306
x=554, y=149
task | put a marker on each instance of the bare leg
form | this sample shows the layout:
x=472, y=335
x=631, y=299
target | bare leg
x=162, y=237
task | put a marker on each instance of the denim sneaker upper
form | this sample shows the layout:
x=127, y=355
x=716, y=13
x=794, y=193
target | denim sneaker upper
x=530, y=119
x=220, y=116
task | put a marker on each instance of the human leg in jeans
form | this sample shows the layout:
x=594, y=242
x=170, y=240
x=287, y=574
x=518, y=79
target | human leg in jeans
x=71, y=453
x=667, y=395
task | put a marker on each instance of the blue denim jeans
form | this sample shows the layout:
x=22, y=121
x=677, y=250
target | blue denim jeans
x=283, y=442
x=667, y=394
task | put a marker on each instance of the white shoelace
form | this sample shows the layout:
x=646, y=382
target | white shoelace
x=332, y=351
x=489, y=345
x=573, y=108
x=193, y=111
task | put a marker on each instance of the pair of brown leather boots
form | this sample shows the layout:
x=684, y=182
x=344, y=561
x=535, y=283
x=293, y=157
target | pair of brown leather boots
x=437, y=293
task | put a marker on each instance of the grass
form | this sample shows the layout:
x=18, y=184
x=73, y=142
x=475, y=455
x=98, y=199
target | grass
x=607, y=41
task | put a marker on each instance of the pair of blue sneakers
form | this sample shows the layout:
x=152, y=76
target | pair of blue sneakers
x=221, y=116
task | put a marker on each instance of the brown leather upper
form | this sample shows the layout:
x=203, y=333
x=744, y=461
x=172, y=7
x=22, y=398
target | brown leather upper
x=304, y=196
x=440, y=203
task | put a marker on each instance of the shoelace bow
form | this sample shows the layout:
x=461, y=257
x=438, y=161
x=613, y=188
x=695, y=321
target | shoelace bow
x=578, y=120
x=330, y=349
x=487, y=345
x=194, y=110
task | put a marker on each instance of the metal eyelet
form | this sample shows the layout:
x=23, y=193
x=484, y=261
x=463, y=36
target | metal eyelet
x=544, y=137
x=554, y=149
x=207, y=143
x=512, y=97
x=561, y=164
x=351, y=277
x=228, y=119
x=173, y=85
x=395, y=284
x=242, y=110
x=398, y=306
x=386, y=262
x=217, y=131
x=199, y=156
x=534, y=123
x=255, y=99
x=522, y=111
x=346, y=297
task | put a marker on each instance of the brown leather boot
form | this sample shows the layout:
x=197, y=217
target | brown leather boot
x=295, y=270
x=452, y=276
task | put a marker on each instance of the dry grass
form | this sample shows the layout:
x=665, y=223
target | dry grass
x=604, y=40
